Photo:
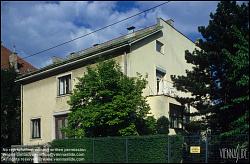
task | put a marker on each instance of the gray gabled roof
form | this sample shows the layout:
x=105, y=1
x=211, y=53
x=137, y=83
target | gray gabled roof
x=117, y=42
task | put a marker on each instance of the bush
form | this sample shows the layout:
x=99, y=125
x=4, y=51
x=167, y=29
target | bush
x=162, y=125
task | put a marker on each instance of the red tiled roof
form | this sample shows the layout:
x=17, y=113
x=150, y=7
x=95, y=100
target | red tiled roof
x=25, y=66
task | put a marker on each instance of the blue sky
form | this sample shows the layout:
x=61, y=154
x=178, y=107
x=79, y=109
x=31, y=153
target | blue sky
x=34, y=26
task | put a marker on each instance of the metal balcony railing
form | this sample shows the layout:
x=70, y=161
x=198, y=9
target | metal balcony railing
x=166, y=88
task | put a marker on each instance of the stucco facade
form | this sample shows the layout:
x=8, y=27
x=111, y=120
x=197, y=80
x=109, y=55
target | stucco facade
x=40, y=98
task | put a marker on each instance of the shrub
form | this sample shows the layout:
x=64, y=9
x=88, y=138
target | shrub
x=162, y=125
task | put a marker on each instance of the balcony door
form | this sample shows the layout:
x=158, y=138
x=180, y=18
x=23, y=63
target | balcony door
x=60, y=122
x=160, y=74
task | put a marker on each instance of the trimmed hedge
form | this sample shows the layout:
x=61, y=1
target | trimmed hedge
x=133, y=149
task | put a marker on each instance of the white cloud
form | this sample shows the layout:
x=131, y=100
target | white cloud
x=187, y=15
x=34, y=26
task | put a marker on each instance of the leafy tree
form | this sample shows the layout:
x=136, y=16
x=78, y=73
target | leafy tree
x=162, y=126
x=10, y=109
x=220, y=75
x=106, y=102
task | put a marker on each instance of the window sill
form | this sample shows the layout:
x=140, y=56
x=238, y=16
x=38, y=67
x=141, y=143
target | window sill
x=65, y=95
x=33, y=139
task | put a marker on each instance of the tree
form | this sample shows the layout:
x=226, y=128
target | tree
x=162, y=126
x=10, y=109
x=194, y=127
x=238, y=74
x=106, y=102
x=220, y=75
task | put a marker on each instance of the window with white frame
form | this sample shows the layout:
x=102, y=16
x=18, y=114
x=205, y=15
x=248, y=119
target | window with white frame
x=64, y=85
x=159, y=47
x=36, y=128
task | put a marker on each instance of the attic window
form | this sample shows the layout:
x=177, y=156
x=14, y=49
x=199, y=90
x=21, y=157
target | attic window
x=159, y=47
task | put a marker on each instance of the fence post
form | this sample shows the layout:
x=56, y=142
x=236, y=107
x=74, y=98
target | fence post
x=126, y=150
x=93, y=148
x=168, y=150
x=206, y=155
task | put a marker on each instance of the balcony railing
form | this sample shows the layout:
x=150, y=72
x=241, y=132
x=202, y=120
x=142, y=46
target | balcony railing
x=166, y=88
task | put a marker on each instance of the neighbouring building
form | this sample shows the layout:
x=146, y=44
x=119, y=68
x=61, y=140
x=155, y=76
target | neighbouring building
x=157, y=52
x=11, y=59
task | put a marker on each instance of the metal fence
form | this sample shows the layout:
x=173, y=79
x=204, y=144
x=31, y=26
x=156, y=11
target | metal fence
x=216, y=149
x=151, y=149
x=134, y=149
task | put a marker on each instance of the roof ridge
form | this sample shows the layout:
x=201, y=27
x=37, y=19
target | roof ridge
x=106, y=43
x=118, y=38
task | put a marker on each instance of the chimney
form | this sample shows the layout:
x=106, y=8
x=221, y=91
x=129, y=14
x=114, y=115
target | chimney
x=130, y=32
x=13, y=61
x=131, y=29
x=71, y=55
x=158, y=21
x=56, y=59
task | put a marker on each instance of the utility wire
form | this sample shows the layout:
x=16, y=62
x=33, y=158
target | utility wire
x=92, y=31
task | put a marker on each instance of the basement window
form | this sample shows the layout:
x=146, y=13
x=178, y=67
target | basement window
x=64, y=85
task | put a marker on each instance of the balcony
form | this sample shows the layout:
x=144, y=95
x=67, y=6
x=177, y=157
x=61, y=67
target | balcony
x=165, y=87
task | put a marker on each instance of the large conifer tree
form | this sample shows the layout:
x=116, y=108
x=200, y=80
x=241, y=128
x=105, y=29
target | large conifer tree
x=220, y=76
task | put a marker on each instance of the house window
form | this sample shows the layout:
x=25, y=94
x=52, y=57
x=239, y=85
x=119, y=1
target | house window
x=64, y=86
x=159, y=47
x=61, y=121
x=159, y=80
x=176, y=116
x=36, y=128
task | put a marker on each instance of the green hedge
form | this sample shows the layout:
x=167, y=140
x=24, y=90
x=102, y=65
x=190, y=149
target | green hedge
x=141, y=149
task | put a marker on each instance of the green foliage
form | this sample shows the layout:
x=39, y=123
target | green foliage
x=238, y=76
x=150, y=125
x=220, y=76
x=105, y=102
x=162, y=126
x=194, y=127
x=128, y=131
x=141, y=149
x=10, y=109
